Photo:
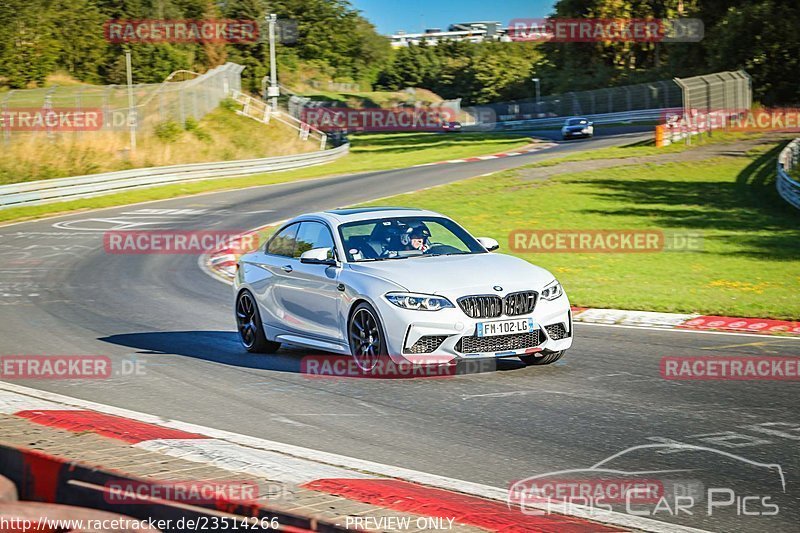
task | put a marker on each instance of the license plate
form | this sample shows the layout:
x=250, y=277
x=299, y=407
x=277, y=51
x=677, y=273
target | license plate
x=505, y=327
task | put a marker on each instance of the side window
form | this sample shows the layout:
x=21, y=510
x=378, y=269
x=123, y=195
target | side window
x=284, y=242
x=312, y=235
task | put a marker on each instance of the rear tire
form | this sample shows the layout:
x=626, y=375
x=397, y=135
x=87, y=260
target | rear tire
x=546, y=359
x=251, y=330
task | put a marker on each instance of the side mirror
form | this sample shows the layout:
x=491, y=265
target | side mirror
x=318, y=256
x=591, y=123
x=488, y=243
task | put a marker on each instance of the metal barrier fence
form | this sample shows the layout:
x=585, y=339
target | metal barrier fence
x=730, y=92
x=53, y=190
x=644, y=96
x=718, y=94
x=184, y=94
x=788, y=187
x=627, y=117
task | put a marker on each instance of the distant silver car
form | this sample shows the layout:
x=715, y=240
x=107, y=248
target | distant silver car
x=407, y=283
x=577, y=127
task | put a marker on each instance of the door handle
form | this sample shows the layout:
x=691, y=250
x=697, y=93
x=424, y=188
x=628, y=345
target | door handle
x=287, y=268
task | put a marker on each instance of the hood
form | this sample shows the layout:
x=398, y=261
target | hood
x=459, y=274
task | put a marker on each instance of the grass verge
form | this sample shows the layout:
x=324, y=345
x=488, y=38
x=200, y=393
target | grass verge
x=369, y=152
x=644, y=149
x=222, y=135
x=749, y=264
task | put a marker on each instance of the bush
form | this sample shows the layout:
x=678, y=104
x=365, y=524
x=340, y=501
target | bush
x=193, y=126
x=230, y=104
x=169, y=131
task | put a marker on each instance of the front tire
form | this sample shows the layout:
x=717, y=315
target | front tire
x=248, y=322
x=546, y=359
x=365, y=334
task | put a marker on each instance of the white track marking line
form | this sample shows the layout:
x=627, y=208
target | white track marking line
x=235, y=458
x=687, y=330
x=357, y=465
x=10, y=404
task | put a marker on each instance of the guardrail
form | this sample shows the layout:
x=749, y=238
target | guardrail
x=61, y=189
x=644, y=115
x=788, y=187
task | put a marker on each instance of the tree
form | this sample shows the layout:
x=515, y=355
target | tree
x=761, y=38
x=82, y=46
x=28, y=49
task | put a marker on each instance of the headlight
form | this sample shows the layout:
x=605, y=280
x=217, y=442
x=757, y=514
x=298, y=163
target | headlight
x=552, y=291
x=418, y=302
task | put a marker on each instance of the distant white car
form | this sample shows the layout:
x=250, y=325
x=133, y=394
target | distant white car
x=577, y=127
x=407, y=283
x=451, y=126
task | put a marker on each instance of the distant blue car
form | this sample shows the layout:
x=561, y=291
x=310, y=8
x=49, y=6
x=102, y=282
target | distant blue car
x=577, y=127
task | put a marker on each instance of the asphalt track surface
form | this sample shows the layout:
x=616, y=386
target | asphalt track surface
x=61, y=294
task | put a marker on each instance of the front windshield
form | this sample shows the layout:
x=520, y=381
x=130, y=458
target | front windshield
x=576, y=121
x=403, y=237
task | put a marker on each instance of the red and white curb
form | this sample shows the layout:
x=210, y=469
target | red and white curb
x=687, y=322
x=221, y=264
x=381, y=485
x=514, y=153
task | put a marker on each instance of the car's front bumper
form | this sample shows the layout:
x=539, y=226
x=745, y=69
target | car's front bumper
x=441, y=336
x=577, y=133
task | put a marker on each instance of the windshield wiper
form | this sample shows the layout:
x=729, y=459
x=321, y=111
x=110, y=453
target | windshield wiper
x=379, y=259
x=438, y=255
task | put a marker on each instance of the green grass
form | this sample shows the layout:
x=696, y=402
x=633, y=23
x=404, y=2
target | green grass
x=749, y=264
x=369, y=152
x=643, y=149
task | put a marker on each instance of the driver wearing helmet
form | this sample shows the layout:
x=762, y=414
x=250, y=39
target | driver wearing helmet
x=417, y=238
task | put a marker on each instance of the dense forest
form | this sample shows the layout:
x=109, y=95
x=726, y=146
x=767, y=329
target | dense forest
x=335, y=41
x=38, y=37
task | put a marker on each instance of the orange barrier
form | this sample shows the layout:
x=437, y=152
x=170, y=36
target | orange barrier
x=660, y=135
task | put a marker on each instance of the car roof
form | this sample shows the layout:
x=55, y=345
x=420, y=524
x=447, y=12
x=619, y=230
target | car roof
x=344, y=215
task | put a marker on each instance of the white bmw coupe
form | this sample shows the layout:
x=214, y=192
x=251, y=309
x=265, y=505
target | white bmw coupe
x=407, y=283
